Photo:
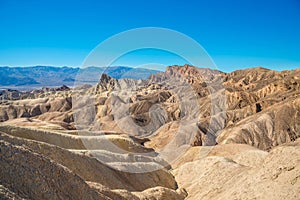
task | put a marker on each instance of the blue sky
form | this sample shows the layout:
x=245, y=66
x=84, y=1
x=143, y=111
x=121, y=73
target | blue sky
x=235, y=33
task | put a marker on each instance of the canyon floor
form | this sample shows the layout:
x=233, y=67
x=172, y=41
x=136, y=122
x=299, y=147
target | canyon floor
x=186, y=133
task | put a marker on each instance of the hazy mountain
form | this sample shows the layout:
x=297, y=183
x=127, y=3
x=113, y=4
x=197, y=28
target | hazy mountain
x=55, y=76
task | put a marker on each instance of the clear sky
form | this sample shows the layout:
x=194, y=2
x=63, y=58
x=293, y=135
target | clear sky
x=235, y=33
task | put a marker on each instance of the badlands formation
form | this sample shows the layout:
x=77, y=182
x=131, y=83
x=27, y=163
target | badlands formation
x=186, y=133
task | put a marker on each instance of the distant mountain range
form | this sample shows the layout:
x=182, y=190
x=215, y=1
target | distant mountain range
x=56, y=76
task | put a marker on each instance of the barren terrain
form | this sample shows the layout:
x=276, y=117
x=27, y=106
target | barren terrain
x=186, y=133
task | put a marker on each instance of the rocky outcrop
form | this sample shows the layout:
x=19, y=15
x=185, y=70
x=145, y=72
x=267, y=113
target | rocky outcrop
x=273, y=126
x=243, y=99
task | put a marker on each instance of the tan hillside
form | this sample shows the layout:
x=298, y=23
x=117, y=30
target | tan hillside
x=186, y=133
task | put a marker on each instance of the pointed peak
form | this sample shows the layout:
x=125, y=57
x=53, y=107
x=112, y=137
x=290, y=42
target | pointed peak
x=105, y=78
